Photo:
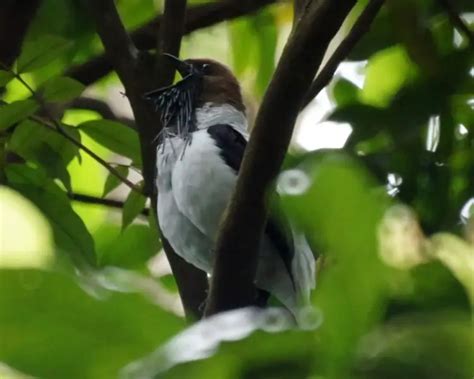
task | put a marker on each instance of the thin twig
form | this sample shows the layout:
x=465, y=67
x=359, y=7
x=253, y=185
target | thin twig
x=112, y=203
x=88, y=151
x=101, y=107
x=457, y=21
x=361, y=26
x=57, y=127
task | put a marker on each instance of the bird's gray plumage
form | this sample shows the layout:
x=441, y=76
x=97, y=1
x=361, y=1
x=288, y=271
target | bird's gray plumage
x=194, y=188
x=198, y=159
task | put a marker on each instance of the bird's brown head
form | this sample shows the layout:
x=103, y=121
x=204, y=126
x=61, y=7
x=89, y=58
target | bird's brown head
x=219, y=85
x=205, y=81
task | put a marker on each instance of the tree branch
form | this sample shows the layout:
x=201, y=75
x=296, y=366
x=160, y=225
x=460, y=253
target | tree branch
x=361, y=26
x=457, y=21
x=197, y=17
x=118, y=45
x=54, y=127
x=138, y=76
x=299, y=7
x=112, y=203
x=15, y=17
x=101, y=107
x=237, y=245
x=169, y=38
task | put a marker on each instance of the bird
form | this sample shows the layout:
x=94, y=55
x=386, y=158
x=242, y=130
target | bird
x=198, y=158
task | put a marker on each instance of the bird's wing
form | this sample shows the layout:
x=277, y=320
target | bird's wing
x=203, y=181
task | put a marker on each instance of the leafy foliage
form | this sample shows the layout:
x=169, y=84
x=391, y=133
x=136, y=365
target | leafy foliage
x=389, y=213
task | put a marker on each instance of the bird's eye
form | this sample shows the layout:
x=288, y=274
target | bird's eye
x=205, y=68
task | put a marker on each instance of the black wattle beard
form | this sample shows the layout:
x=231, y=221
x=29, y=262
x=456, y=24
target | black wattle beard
x=176, y=105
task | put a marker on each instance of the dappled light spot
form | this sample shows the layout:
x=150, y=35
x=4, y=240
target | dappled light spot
x=467, y=211
x=401, y=240
x=293, y=182
x=25, y=235
x=201, y=340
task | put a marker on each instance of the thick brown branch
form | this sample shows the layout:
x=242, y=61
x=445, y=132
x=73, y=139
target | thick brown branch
x=118, y=45
x=299, y=7
x=361, y=26
x=139, y=77
x=237, y=244
x=457, y=21
x=15, y=17
x=197, y=17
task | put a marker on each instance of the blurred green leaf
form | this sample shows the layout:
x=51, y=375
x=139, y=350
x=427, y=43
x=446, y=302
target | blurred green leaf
x=115, y=136
x=254, y=41
x=129, y=248
x=340, y=212
x=62, y=89
x=16, y=111
x=458, y=256
x=344, y=92
x=265, y=32
x=5, y=77
x=112, y=182
x=94, y=337
x=135, y=13
x=367, y=121
x=420, y=346
x=70, y=233
x=379, y=87
x=132, y=208
x=41, y=51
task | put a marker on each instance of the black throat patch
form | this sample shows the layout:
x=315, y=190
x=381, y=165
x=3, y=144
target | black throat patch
x=176, y=105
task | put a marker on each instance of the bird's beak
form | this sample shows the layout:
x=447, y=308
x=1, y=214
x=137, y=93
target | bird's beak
x=182, y=67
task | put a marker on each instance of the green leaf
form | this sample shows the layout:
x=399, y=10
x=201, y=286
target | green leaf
x=41, y=51
x=458, y=256
x=39, y=144
x=344, y=92
x=340, y=198
x=265, y=33
x=45, y=315
x=112, y=181
x=379, y=87
x=253, y=41
x=62, y=89
x=114, y=136
x=17, y=111
x=5, y=77
x=133, y=206
x=365, y=120
x=70, y=234
x=131, y=248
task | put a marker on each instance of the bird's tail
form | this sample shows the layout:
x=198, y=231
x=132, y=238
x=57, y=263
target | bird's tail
x=303, y=267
